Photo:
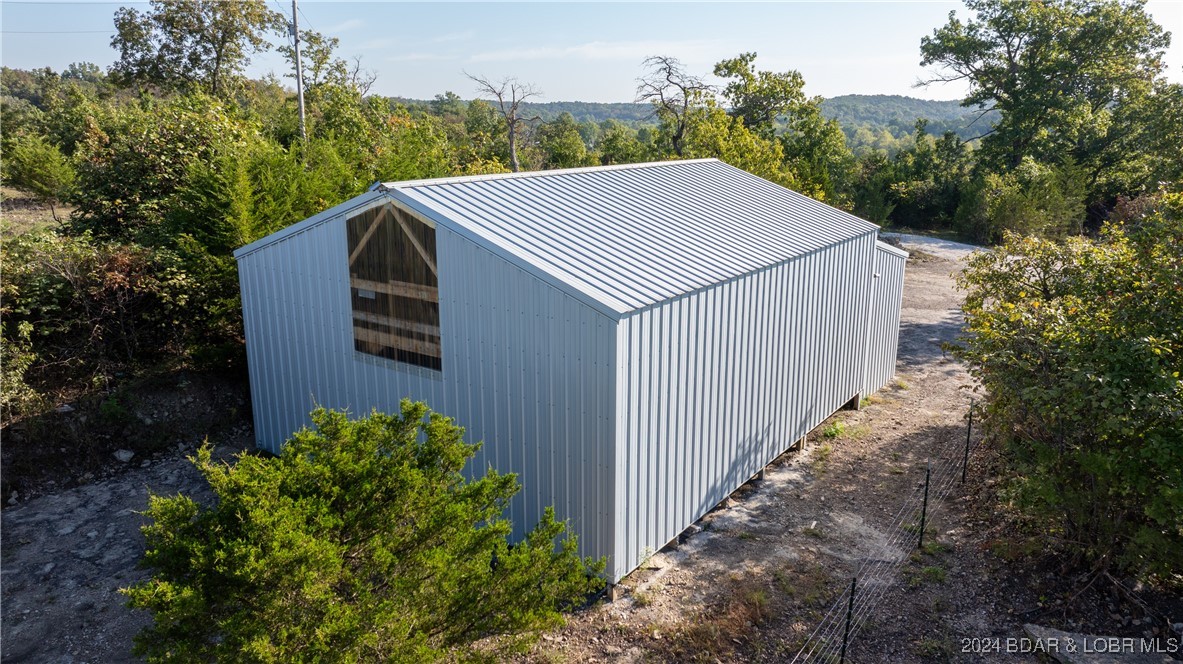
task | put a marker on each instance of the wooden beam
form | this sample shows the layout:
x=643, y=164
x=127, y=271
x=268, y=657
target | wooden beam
x=365, y=238
x=398, y=216
x=395, y=341
x=399, y=288
x=398, y=323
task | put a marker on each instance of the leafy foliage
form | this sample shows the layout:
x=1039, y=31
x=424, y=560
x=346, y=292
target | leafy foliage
x=86, y=309
x=561, y=144
x=712, y=132
x=190, y=45
x=131, y=167
x=1067, y=77
x=39, y=167
x=17, y=397
x=760, y=97
x=1079, y=347
x=362, y=541
x=1033, y=199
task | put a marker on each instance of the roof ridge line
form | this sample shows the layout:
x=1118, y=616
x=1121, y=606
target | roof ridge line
x=459, y=179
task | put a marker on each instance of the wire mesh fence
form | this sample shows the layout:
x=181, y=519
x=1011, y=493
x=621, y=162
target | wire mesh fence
x=877, y=573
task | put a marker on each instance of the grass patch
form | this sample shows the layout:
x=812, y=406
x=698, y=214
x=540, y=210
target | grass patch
x=821, y=456
x=642, y=598
x=755, y=604
x=716, y=631
x=783, y=582
x=857, y=432
x=902, y=384
x=746, y=535
x=808, y=585
x=834, y=429
x=929, y=648
x=929, y=574
x=1019, y=548
x=934, y=548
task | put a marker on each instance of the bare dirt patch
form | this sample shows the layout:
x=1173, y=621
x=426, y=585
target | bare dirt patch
x=21, y=212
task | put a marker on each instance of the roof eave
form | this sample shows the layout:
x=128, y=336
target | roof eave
x=460, y=179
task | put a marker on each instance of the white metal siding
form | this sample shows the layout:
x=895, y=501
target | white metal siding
x=634, y=342
x=526, y=368
x=713, y=386
x=883, y=339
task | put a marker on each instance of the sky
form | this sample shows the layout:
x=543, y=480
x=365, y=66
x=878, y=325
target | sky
x=571, y=51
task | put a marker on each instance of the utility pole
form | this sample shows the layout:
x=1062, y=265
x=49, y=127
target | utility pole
x=299, y=72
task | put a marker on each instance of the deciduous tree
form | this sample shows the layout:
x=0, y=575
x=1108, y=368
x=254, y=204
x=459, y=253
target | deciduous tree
x=561, y=144
x=190, y=44
x=1066, y=76
x=759, y=98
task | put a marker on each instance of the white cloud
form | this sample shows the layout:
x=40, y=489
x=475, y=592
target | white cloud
x=374, y=44
x=419, y=57
x=345, y=25
x=454, y=37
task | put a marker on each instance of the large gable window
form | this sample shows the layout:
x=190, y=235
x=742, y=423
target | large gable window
x=392, y=279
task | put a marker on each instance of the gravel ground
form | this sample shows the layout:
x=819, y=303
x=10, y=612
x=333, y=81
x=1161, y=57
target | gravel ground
x=65, y=555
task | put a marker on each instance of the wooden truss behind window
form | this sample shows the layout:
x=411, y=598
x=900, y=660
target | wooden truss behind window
x=394, y=286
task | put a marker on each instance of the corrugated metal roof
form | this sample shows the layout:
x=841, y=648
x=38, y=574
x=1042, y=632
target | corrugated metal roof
x=632, y=236
x=621, y=237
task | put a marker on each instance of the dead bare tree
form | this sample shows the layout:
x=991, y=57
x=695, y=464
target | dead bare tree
x=509, y=93
x=361, y=79
x=671, y=91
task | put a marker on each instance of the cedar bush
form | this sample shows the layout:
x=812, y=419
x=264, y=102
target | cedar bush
x=362, y=541
x=1080, y=348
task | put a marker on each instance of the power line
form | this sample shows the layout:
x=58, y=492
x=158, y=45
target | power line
x=306, y=19
x=56, y=32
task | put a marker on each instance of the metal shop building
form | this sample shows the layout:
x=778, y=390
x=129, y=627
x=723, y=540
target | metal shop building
x=635, y=342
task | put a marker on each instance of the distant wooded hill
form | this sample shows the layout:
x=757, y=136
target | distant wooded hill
x=898, y=114
x=878, y=115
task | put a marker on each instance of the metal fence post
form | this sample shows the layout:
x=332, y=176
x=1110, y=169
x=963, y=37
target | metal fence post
x=968, y=430
x=924, y=508
x=849, y=615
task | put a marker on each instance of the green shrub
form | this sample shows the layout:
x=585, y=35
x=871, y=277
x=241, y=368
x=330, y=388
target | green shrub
x=131, y=163
x=1078, y=346
x=362, y=541
x=17, y=397
x=37, y=166
x=1033, y=199
x=91, y=309
x=834, y=429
